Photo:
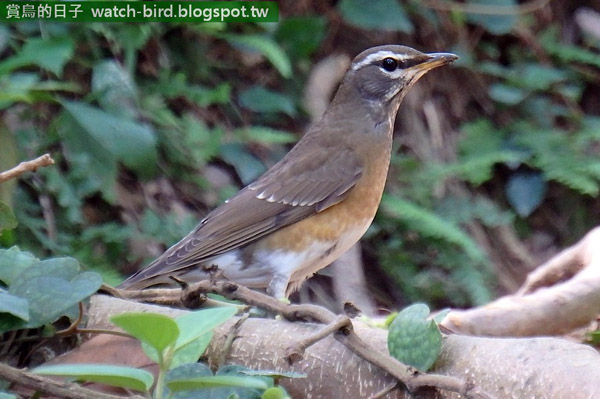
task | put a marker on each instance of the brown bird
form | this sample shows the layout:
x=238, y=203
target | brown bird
x=316, y=202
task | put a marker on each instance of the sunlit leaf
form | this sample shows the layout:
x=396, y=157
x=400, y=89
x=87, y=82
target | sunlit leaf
x=157, y=330
x=117, y=376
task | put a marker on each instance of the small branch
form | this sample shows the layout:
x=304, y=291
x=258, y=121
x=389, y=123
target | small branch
x=27, y=166
x=296, y=350
x=61, y=389
x=410, y=377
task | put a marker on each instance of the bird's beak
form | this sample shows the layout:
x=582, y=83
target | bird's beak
x=435, y=60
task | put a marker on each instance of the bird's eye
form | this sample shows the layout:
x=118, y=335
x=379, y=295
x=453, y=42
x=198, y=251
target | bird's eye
x=389, y=64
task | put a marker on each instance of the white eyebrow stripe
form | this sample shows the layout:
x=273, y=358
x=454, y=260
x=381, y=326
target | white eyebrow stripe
x=379, y=56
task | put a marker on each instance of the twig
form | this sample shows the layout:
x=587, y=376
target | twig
x=296, y=350
x=61, y=389
x=385, y=391
x=410, y=377
x=26, y=166
x=72, y=329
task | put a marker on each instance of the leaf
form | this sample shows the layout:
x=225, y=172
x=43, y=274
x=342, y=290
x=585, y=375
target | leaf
x=273, y=373
x=506, y=94
x=178, y=85
x=497, y=24
x=275, y=393
x=126, y=140
x=266, y=47
x=539, y=77
x=525, y=191
x=117, y=376
x=189, y=370
x=115, y=89
x=301, y=36
x=245, y=164
x=14, y=305
x=192, y=351
x=568, y=53
x=215, y=381
x=12, y=262
x=194, y=325
x=52, y=287
x=259, y=99
x=49, y=53
x=378, y=15
x=266, y=135
x=431, y=225
x=156, y=330
x=7, y=217
x=414, y=340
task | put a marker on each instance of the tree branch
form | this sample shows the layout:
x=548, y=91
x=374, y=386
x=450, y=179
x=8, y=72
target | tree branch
x=26, y=166
x=61, y=389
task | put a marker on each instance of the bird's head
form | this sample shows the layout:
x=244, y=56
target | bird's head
x=381, y=76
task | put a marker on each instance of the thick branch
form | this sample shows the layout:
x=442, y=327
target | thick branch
x=561, y=295
x=61, y=389
x=554, y=368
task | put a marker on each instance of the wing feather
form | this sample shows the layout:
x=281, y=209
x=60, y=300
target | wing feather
x=295, y=188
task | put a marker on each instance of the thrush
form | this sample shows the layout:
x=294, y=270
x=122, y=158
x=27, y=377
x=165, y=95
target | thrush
x=315, y=203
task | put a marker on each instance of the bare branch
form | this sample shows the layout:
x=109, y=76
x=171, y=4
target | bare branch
x=61, y=389
x=26, y=166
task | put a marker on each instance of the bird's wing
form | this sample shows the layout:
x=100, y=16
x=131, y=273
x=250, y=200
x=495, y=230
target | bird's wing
x=292, y=190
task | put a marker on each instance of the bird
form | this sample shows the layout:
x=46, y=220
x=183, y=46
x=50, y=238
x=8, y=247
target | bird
x=318, y=200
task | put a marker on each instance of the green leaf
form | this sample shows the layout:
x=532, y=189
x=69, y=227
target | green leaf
x=414, y=340
x=301, y=36
x=265, y=135
x=156, y=330
x=188, y=370
x=126, y=140
x=192, y=351
x=115, y=89
x=12, y=262
x=14, y=305
x=193, y=325
x=568, y=53
x=52, y=288
x=178, y=85
x=266, y=47
x=506, y=94
x=494, y=23
x=50, y=53
x=245, y=164
x=525, y=191
x=7, y=217
x=275, y=393
x=216, y=381
x=259, y=99
x=117, y=376
x=273, y=373
x=378, y=15
x=431, y=225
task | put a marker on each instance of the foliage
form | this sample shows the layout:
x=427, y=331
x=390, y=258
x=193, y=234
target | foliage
x=144, y=119
x=176, y=345
x=414, y=340
x=34, y=293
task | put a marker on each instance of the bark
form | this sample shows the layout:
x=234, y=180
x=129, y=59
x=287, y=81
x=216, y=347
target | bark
x=503, y=368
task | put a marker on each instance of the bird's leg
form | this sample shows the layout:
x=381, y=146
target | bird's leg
x=278, y=286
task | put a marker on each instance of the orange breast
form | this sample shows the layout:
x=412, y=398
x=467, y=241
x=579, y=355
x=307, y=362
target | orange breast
x=355, y=212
